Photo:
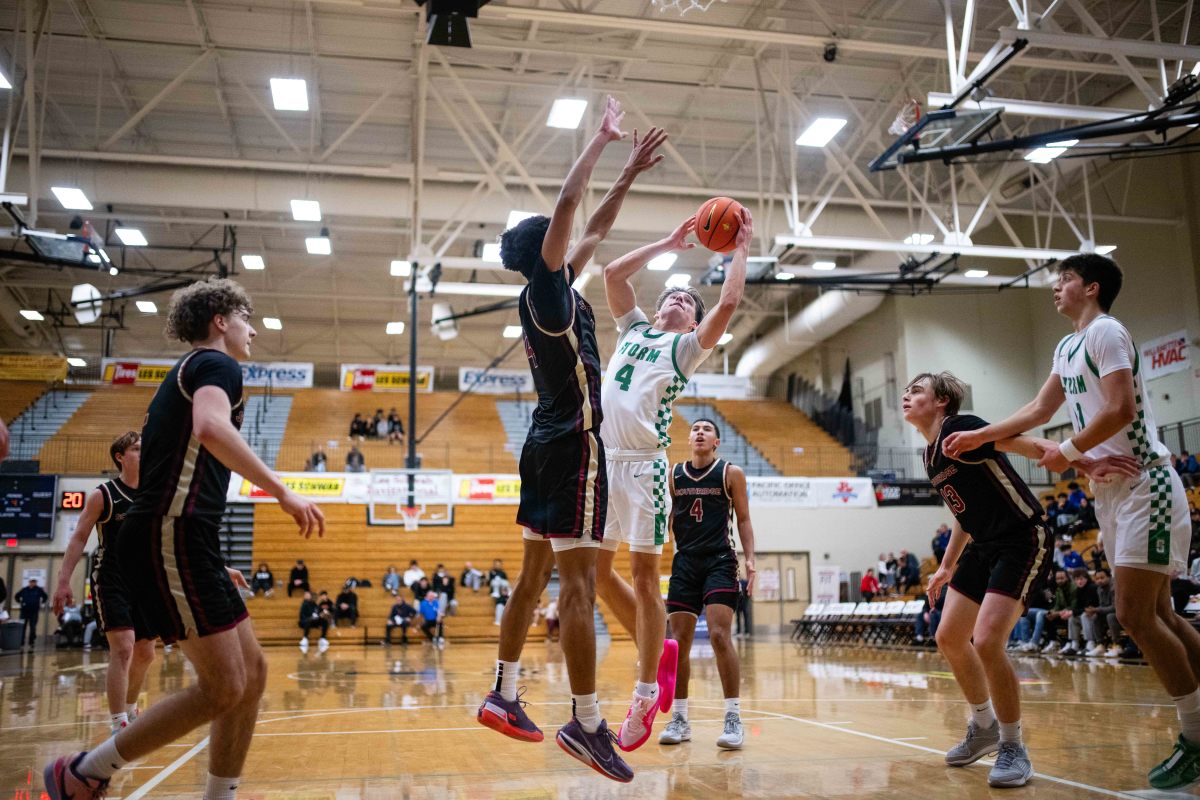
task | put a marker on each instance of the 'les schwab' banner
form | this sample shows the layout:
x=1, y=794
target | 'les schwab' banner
x=383, y=378
x=1165, y=355
x=152, y=371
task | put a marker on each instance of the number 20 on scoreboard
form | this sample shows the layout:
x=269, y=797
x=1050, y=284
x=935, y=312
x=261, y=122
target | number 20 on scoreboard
x=72, y=501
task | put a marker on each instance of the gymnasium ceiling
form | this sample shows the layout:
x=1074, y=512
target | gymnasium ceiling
x=161, y=113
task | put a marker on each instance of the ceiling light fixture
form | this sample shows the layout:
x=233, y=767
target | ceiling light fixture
x=147, y=307
x=401, y=269
x=975, y=273
x=253, y=262
x=725, y=339
x=1044, y=155
x=821, y=131
x=76, y=362
x=918, y=238
x=1105, y=249
x=491, y=252
x=511, y=332
x=395, y=328
x=678, y=280
x=784, y=276
x=824, y=266
x=319, y=245
x=516, y=217
x=567, y=113
x=70, y=197
x=663, y=263
x=272, y=323
x=306, y=210
x=131, y=237
x=289, y=94
x=30, y=314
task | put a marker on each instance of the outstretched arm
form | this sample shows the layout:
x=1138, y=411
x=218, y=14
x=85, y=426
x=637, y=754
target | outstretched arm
x=554, y=246
x=1118, y=411
x=713, y=326
x=92, y=509
x=641, y=159
x=1036, y=412
x=617, y=286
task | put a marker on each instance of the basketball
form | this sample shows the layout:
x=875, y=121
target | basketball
x=717, y=223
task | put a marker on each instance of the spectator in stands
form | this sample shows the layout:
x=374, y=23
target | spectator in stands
x=941, y=540
x=1071, y=560
x=379, y=425
x=471, y=577
x=1051, y=508
x=886, y=582
x=31, y=599
x=444, y=586
x=318, y=460
x=311, y=617
x=1182, y=590
x=391, y=581
x=1085, y=520
x=298, y=579
x=910, y=571
x=1031, y=625
x=355, y=461
x=926, y=624
x=395, y=428
x=263, y=581
x=1064, y=512
x=1102, y=617
x=1075, y=495
x=500, y=591
x=496, y=570
x=1060, y=610
x=421, y=587
x=413, y=574
x=893, y=568
x=401, y=617
x=1079, y=643
x=1195, y=526
x=326, y=605
x=869, y=586
x=1188, y=468
x=430, y=617
x=1098, y=558
x=346, y=606
x=358, y=428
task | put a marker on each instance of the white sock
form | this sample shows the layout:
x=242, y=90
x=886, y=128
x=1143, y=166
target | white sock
x=1188, y=708
x=120, y=719
x=586, y=709
x=982, y=714
x=733, y=705
x=1010, y=731
x=680, y=707
x=102, y=761
x=217, y=788
x=647, y=689
x=507, y=673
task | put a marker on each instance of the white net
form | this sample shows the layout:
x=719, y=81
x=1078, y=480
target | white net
x=683, y=6
x=910, y=114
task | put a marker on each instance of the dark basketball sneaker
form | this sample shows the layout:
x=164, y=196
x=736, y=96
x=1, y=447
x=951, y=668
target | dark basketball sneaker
x=594, y=749
x=64, y=783
x=508, y=717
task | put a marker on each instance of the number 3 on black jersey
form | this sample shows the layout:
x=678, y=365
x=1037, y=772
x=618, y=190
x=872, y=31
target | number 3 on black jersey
x=956, y=504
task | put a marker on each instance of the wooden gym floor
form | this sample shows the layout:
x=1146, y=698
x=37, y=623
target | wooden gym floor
x=370, y=722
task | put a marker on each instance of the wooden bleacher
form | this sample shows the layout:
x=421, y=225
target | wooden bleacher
x=16, y=396
x=470, y=439
x=81, y=445
x=777, y=428
x=351, y=548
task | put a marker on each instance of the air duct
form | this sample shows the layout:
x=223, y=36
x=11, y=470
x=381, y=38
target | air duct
x=820, y=319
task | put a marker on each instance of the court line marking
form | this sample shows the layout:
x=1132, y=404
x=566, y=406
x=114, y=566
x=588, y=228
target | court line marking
x=167, y=771
x=865, y=735
x=713, y=721
x=911, y=738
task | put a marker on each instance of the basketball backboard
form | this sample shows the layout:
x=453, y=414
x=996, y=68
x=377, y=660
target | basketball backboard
x=941, y=128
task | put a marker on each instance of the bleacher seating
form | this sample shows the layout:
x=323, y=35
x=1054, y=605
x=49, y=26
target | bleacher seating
x=41, y=421
x=16, y=396
x=81, y=444
x=790, y=441
x=734, y=446
x=351, y=548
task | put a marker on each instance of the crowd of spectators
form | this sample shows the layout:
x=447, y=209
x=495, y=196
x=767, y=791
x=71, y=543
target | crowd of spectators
x=378, y=427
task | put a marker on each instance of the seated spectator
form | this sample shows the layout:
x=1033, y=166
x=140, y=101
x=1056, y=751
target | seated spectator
x=500, y=591
x=1064, y=511
x=1098, y=559
x=391, y=581
x=430, y=617
x=910, y=571
x=325, y=605
x=395, y=428
x=70, y=627
x=1051, y=508
x=1075, y=494
x=421, y=587
x=444, y=585
x=1182, y=590
x=1103, y=617
x=893, y=569
x=941, y=540
x=1061, y=609
x=886, y=581
x=346, y=607
x=1085, y=520
x=1071, y=560
x=496, y=570
x=317, y=460
x=311, y=617
x=926, y=624
x=869, y=586
x=401, y=617
x=379, y=425
x=471, y=577
x=263, y=581
x=1079, y=643
x=355, y=461
x=1188, y=468
x=1033, y=622
x=413, y=574
x=358, y=428
x=298, y=578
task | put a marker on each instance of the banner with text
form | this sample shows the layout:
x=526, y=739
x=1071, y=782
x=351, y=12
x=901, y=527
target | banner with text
x=826, y=583
x=1165, y=355
x=278, y=374
x=135, y=371
x=383, y=378
x=811, y=492
x=495, y=381
x=33, y=368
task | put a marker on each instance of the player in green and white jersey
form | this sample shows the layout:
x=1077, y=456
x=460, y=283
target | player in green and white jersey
x=1097, y=372
x=649, y=368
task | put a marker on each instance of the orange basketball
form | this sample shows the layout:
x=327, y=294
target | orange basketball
x=717, y=223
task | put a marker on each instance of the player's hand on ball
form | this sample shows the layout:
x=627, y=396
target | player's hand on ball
x=745, y=232
x=610, y=125
x=643, y=156
x=678, y=238
x=956, y=444
x=239, y=580
x=62, y=599
x=307, y=514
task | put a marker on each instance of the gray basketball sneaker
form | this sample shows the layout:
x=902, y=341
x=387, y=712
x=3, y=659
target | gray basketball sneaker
x=677, y=730
x=977, y=744
x=732, y=737
x=1012, y=767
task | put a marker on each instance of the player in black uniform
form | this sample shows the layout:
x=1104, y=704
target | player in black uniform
x=170, y=556
x=1000, y=549
x=564, y=492
x=130, y=644
x=706, y=493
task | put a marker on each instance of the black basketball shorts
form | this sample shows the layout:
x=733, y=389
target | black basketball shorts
x=114, y=612
x=702, y=580
x=1011, y=566
x=564, y=488
x=177, y=578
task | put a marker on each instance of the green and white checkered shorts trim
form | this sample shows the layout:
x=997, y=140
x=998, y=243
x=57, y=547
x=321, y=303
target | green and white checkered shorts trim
x=660, y=500
x=664, y=414
x=1161, y=515
x=1139, y=437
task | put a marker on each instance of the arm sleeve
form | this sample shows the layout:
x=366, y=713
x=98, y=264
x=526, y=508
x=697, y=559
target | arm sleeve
x=1110, y=345
x=629, y=318
x=550, y=297
x=969, y=422
x=214, y=369
x=689, y=355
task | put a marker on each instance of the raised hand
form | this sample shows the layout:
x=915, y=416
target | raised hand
x=678, y=238
x=643, y=156
x=610, y=125
x=745, y=232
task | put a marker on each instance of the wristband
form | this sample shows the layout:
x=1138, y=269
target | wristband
x=1070, y=451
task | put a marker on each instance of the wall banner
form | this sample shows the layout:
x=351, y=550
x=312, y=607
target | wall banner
x=1165, y=355
x=495, y=381
x=383, y=378
x=33, y=368
x=811, y=492
x=278, y=374
x=135, y=371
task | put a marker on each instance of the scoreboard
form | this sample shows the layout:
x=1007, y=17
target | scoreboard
x=27, y=506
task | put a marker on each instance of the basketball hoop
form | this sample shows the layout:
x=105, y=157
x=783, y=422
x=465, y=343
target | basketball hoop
x=910, y=114
x=683, y=6
x=412, y=518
